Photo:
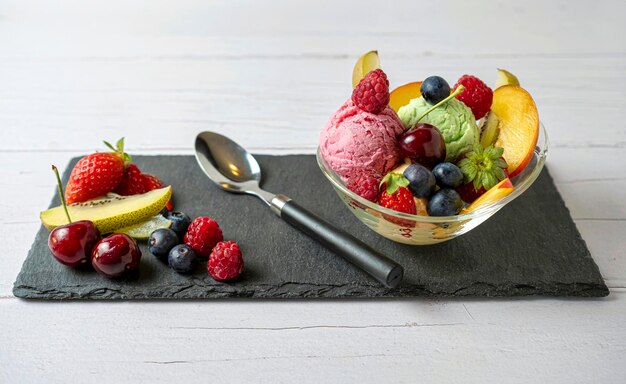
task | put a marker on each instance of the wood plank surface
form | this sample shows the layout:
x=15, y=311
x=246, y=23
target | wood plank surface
x=269, y=74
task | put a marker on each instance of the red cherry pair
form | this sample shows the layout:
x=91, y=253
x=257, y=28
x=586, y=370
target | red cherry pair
x=76, y=243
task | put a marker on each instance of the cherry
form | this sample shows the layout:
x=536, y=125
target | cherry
x=71, y=244
x=116, y=255
x=423, y=144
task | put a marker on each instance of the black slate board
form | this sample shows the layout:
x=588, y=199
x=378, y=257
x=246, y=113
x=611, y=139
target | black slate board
x=530, y=247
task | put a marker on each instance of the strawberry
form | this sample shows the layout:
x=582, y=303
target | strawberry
x=132, y=182
x=135, y=182
x=151, y=182
x=395, y=195
x=482, y=169
x=401, y=200
x=97, y=174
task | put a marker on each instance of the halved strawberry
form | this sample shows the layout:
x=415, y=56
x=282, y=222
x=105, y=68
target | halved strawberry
x=136, y=182
x=131, y=183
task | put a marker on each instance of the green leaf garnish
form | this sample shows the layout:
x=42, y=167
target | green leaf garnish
x=483, y=167
x=394, y=181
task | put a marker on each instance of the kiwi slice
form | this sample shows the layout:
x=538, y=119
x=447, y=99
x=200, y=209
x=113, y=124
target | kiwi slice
x=491, y=130
x=112, y=211
x=143, y=230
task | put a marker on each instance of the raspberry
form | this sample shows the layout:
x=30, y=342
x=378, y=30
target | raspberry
x=202, y=235
x=365, y=186
x=372, y=93
x=225, y=262
x=477, y=95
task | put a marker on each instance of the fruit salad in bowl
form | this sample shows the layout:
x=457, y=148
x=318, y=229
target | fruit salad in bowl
x=428, y=161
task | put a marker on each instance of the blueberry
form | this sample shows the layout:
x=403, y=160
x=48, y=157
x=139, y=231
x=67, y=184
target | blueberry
x=180, y=223
x=434, y=89
x=421, y=180
x=161, y=241
x=445, y=202
x=182, y=258
x=448, y=175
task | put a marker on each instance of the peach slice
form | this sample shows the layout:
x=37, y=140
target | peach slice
x=519, y=126
x=364, y=65
x=497, y=192
x=401, y=96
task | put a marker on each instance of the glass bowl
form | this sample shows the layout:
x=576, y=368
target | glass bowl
x=421, y=230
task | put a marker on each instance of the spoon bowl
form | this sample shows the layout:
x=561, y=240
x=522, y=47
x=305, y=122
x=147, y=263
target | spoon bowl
x=229, y=165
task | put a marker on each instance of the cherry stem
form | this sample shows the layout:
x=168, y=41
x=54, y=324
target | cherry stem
x=458, y=90
x=60, y=186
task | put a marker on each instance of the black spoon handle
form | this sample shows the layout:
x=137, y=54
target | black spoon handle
x=380, y=267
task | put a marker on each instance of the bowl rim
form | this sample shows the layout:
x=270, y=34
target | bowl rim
x=540, y=152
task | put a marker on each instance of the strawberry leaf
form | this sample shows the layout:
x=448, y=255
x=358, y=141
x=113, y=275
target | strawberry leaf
x=468, y=168
x=483, y=167
x=120, y=145
x=394, y=181
x=499, y=173
x=476, y=184
x=489, y=180
x=500, y=163
x=494, y=152
x=110, y=146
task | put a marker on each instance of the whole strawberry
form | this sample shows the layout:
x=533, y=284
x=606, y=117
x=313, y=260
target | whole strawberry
x=482, y=169
x=477, y=95
x=97, y=174
x=225, y=261
x=202, y=235
x=401, y=200
x=396, y=195
x=372, y=93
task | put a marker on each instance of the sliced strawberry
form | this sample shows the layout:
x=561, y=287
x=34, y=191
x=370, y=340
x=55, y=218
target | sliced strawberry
x=132, y=183
x=151, y=182
x=136, y=182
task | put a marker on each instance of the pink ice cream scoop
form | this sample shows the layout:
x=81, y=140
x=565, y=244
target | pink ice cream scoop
x=359, y=145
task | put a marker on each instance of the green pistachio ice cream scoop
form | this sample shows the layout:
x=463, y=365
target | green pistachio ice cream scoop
x=453, y=118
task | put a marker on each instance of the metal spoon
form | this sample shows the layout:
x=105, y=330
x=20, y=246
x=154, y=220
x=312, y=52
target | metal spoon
x=235, y=170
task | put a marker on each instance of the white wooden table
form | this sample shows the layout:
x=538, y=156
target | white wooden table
x=268, y=74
